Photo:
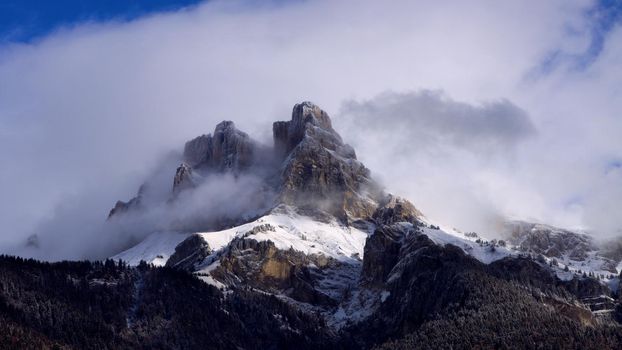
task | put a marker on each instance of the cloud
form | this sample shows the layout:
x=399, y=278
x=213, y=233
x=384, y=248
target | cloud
x=444, y=155
x=428, y=118
x=87, y=113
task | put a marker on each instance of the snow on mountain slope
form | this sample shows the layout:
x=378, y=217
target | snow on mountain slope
x=309, y=236
x=155, y=249
x=485, y=253
x=288, y=230
x=303, y=234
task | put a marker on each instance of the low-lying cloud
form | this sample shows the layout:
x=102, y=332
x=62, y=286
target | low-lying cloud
x=427, y=118
x=437, y=151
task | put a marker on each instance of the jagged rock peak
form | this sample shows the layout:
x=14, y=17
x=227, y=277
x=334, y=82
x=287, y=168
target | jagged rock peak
x=307, y=112
x=319, y=170
x=393, y=209
x=183, y=178
x=134, y=203
x=306, y=118
x=226, y=149
x=548, y=240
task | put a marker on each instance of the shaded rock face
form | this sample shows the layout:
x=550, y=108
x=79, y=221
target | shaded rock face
x=261, y=265
x=190, y=252
x=319, y=170
x=394, y=209
x=133, y=204
x=429, y=283
x=549, y=241
x=381, y=254
x=226, y=149
x=310, y=167
x=183, y=179
x=383, y=247
x=305, y=116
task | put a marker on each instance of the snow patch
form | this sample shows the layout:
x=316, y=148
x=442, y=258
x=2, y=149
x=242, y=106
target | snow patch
x=481, y=252
x=290, y=230
x=156, y=249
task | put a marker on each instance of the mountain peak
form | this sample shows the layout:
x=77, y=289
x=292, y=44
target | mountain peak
x=308, y=112
x=310, y=168
x=307, y=118
x=183, y=178
x=319, y=170
x=226, y=149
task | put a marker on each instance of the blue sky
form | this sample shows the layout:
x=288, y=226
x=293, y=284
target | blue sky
x=28, y=20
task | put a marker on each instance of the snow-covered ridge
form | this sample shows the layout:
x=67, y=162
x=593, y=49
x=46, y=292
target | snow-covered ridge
x=291, y=230
x=155, y=249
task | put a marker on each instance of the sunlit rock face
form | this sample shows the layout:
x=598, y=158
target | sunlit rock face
x=319, y=170
x=309, y=166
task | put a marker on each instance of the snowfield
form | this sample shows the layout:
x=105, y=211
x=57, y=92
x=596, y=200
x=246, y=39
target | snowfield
x=155, y=249
x=291, y=230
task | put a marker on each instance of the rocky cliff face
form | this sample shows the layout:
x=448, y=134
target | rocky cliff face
x=549, y=241
x=183, y=179
x=319, y=170
x=316, y=170
x=370, y=266
x=189, y=253
x=286, y=272
x=227, y=149
x=135, y=203
x=564, y=245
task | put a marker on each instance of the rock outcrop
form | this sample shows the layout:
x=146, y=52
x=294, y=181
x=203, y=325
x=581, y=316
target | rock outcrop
x=395, y=218
x=228, y=149
x=261, y=265
x=310, y=167
x=549, y=241
x=319, y=170
x=183, y=179
x=190, y=252
x=393, y=209
x=133, y=204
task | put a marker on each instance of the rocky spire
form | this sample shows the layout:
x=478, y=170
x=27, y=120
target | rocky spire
x=133, y=204
x=319, y=170
x=314, y=168
x=305, y=116
x=183, y=178
x=227, y=149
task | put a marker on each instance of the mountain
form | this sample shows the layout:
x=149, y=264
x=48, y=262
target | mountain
x=294, y=245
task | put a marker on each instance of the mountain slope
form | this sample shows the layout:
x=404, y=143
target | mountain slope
x=294, y=246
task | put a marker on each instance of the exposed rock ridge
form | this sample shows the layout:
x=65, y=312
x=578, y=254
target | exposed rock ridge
x=227, y=149
x=310, y=168
x=183, y=179
x=190, y=252
x=133, y=204
x=319, y=170
x=549, y=241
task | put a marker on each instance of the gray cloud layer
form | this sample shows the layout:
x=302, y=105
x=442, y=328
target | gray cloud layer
x=425, y=117
x=436, y=150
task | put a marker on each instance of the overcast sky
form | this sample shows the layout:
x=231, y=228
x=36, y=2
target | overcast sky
x=474, y=110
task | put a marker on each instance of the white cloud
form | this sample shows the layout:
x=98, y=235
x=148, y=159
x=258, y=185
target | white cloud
x=86, y=112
